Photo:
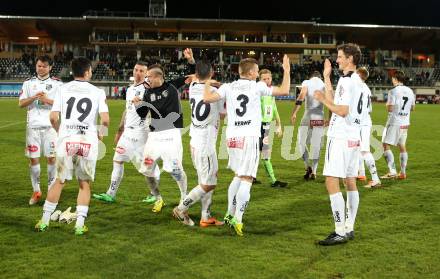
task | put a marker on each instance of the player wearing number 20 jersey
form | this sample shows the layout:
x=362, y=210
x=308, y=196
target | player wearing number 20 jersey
x=74, y=115
x=243, y=105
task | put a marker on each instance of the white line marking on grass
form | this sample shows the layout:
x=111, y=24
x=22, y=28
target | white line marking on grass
x=12, y=124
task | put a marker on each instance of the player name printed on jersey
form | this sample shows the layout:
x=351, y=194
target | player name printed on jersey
x=402, y=99
x=132, y=118
x=243, y=105
x=38, y=112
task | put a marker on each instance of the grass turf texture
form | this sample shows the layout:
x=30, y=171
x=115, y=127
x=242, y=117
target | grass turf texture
x=396, y=230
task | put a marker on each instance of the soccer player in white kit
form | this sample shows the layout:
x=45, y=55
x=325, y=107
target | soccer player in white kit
x=365, y=135
x=130, y=138
x=205, y=120
x=243, y=105
x=401, y=101
x=74, y=114
x=343, y=141
x=311, y=129
x=37, y=96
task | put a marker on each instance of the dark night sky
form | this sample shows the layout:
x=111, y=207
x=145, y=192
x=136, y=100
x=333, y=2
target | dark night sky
x=420, y=13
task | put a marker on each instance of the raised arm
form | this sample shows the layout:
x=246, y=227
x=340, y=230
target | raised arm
x=208, y=95
x=179, y=82
x=284, y=88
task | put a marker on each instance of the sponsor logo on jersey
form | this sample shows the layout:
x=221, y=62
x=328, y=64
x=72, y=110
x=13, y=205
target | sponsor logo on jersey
x=78, y=148
x=242, y=123
x=148, y=161
x=315, y=123
x=353, y=143
x=236, y=143
x=32, y=148
x=153, y=97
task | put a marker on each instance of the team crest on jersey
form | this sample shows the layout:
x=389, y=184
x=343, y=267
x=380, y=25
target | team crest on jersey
x=165, y=93
x=48, y=87
x=138, y=93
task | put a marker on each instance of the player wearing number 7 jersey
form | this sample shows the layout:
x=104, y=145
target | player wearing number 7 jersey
x=243, y=105
x=400, y=103
x=77, y=104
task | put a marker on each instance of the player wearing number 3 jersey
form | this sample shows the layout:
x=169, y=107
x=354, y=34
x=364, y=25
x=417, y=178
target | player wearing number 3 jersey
x=77, y=104
x=243, y=105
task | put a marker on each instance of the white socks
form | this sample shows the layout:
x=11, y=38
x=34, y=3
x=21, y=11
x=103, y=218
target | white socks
x=232, y=191
x=51, y=174
x=315, y=165
x=403, y=162
x=389, y=158
x=117, y=174
x=352, y=208
x=35, y=177
x=243, y=195
x=48, y=209
x=361, y=166
x=305, y=158
x=338, y=208
x=81, y=213
x=371, y=165
x=206, y=204
x=194, y=196
x=180, y=177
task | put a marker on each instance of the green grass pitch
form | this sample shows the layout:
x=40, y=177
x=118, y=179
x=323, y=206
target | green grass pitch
x=397, y=228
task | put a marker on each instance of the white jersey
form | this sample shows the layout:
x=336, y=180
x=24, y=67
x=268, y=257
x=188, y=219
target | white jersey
x=402, y=98
x=205, y=117
x=79, y=103
x=132, y=118
x=38, y=113
x=348, y=93
x=366, y=99
x=243, y=106
x=313, y=109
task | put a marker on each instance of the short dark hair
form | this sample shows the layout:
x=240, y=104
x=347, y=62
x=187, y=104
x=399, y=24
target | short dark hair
x=44, y=59
x=316, y=74
x=142, y=63
x=159, y=69
x=400, y=76
x=203, y=69
x=80, y=66
x=351, y=50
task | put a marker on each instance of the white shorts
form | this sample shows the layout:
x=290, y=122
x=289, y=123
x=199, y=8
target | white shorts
x=77, y=154
x=342, y=158
x=40, y=138
x=165, y=145
x=365, y=138
x=206, y=165
x=311, y=135
x=244, y=155
x=395, y=134
x=130, y=147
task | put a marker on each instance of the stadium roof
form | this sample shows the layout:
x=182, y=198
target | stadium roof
x=78, y=29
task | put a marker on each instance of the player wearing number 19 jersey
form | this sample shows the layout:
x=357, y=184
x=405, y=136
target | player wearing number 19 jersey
x=205, y=118
x=400, y=103
x=243, y=105
x=77, y=104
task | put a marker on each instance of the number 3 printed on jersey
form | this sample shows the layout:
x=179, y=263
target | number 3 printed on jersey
x=243, y=99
